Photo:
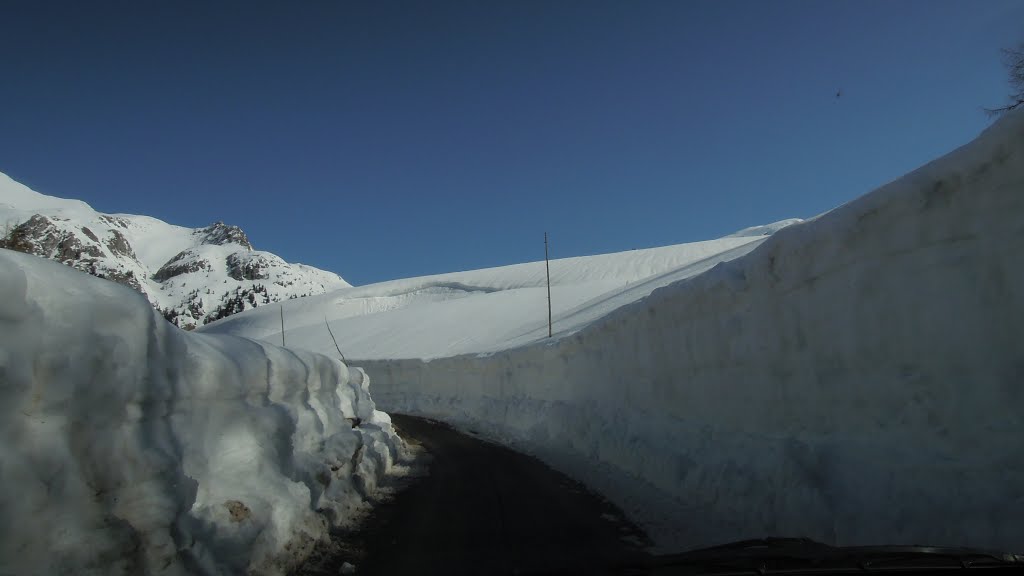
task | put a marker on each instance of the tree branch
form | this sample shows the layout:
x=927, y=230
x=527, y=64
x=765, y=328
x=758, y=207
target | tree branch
x=1004, y=109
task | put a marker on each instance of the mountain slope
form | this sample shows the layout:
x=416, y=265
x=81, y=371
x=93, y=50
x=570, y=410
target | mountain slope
x=481, y=311
x=193, y=276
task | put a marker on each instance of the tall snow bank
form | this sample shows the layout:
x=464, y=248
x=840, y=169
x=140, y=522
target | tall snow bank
x=130, y=447
x=857, y=378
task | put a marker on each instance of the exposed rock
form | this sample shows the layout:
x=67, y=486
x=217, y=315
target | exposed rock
x=237, y=510
x=182, y=288
x=37, y=236
x=40, y=237
x=119, y=245
x=114, y=221
x=220, y=234
x=70, y=249
x=184, y=262
x=14, y=240
x=125, y=277
x=246, y=268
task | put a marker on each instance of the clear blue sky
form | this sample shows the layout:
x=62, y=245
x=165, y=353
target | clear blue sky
x=383, y=140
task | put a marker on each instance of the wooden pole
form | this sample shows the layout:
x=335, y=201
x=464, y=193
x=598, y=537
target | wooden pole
x=547, y=268
x=331, y=332
x=282, y=325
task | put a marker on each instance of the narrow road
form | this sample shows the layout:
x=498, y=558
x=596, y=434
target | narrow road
x=486, y=509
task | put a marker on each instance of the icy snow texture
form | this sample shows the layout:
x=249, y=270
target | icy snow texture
x=857, y=378
x=132, y=447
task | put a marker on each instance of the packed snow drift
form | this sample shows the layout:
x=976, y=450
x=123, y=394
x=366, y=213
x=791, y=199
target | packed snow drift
x=132, y=447
x=856, y=378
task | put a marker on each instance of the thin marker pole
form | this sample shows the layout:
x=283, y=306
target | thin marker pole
x=282, y=325
x=547, y=268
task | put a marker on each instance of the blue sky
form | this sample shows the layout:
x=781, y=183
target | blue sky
x=390, y=139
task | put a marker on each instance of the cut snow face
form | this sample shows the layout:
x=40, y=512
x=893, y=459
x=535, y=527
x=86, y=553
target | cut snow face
x=482, y=311
x=192, y=276
x=132, y=447
x=855, y=379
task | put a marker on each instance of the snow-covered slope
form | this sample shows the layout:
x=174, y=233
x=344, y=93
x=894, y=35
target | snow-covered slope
x=130, y=447
x=856, y=379
x=481, y=311
x=191, y=275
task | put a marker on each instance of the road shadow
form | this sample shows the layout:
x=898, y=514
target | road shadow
x=482, y=509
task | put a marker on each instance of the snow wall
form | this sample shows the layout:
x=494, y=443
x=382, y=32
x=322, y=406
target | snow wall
x=856, y=379
x=132, y=447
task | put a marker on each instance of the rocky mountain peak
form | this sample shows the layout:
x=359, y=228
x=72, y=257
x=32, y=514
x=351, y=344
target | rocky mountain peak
x=41, y=237
x=220, y=234
x=192, y=276
x=77, y=246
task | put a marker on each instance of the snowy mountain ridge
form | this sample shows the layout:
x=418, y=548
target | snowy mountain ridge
x=193, y=276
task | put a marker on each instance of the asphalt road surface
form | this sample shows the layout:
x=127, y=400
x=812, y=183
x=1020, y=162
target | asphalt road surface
x=486, y=509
